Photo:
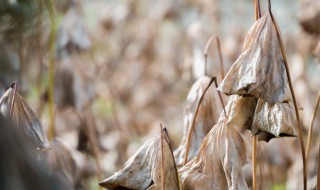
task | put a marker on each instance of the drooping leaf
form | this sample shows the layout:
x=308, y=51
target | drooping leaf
x=260, y=70
x=219, y=162
x=171, y=178
x=143, y=169
x=241, y=111
x=24, y=117
x=207, y=117
x=274, y=120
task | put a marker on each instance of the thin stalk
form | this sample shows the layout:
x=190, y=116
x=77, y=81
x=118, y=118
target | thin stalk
x=51, y=70
x=14, y=86
x=303, y=153
x=216, y=38
x=162, y=159
x=92, y=140
x=213, y=79
x=175, y=167
x=311, y=126
x=318, y=176
x=254, y=162
x=254, y=138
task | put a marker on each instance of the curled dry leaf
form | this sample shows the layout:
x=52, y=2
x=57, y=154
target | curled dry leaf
x=24, y=117
x=143, y=169
x=241, y=111
x=207, y=117
x=219, y=162
x=260, y=70
x=274, y=120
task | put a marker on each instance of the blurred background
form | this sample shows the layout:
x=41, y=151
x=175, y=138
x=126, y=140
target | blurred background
x=121, y=67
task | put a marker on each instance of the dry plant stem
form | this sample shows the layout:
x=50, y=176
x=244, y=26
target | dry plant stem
x=318, y=176
x=162, y=159
x=254, y=138
x=94, y=145
x=293, y=98
x=216, y=38
x=213, y=79
x=254, y=162
x=257, y=9
x=311, y=126
x=14, y=86
x=51, y=70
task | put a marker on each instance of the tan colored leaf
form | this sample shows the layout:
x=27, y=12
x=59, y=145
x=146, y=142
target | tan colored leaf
x=137, y=171
x=24, y=117
x=219, y=162
x=260, y=70
x=143, y=169
x=207, y=117
x=241, y=111
x=275, y=120
x=171, y=179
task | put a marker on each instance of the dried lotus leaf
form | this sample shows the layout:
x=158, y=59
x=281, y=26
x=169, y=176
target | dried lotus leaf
x=241, y=111
x=274, y=120
x=137, y=171
x=171, y=179
x=207, y=117
x=143, y=169
x=219, y=162
x=260, y=69
x=24, y=117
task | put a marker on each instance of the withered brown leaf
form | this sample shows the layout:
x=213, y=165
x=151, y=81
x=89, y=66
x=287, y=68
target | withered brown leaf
x=241, y=111
x=207, y=117
x=143, y=169
x=219, y=162
x=260, y=70
x=275, y=120
x=24, y=117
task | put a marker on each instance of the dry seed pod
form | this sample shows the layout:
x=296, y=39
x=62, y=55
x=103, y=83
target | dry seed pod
x=260, y=70
x=275, y=120
x=219, y=162
x=207, y=117
x=24, y=117
x=143, y=169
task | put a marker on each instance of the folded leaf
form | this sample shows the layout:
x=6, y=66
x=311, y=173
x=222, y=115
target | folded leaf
x=241, y=111
x=260, y=70
x=274, y=120
x=143, y=169
x=207, y=117
x=219, y=162
x=24, y=117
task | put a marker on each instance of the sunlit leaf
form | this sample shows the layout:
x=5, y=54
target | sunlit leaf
x=260, y=70
x=207, y=117
x=275, y=120
x=143, y=169
x=219, y=162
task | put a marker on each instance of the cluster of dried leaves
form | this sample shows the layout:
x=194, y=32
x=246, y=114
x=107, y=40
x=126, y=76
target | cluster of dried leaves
x=260, y=100
x=215, y=150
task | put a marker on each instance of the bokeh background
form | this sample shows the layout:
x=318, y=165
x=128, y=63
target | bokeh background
x=122, y=67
